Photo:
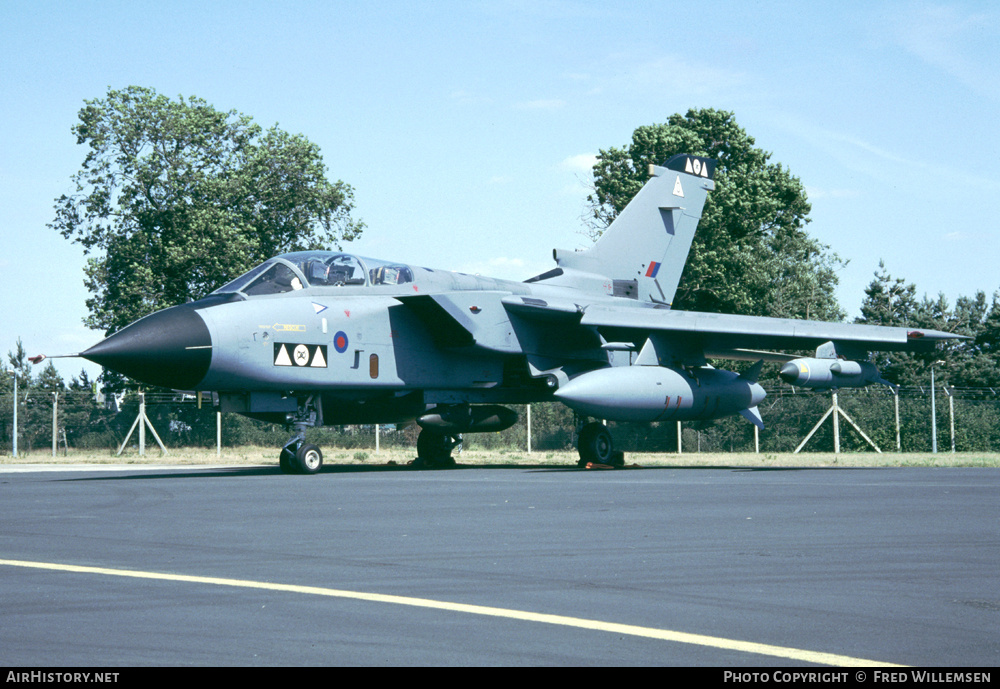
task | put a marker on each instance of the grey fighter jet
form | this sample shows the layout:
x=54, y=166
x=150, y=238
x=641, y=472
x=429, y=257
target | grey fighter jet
x=321, y=337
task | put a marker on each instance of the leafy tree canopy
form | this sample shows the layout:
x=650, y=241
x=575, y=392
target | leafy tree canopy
x=751, y=253
x=974, y=362
x=888, y=300
x=175, y=198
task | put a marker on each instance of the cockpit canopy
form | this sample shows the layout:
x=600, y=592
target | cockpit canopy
x=304, y=269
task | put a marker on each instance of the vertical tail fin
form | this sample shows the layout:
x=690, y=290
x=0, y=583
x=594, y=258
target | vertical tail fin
x=643, y=252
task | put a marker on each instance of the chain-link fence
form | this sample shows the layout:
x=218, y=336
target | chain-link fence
x=967, y=419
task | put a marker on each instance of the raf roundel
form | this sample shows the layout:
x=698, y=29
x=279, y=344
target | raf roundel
x=340, y=341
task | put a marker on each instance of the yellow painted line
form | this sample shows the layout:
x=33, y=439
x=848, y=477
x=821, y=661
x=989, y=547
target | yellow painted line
x=562, y=620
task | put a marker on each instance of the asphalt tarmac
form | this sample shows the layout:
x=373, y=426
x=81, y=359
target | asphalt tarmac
x=499, y=566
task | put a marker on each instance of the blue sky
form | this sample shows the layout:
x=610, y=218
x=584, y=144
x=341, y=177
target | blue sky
x=467, y=128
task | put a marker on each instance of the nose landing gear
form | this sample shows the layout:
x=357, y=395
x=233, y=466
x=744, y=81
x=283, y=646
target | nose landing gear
x=298, y=456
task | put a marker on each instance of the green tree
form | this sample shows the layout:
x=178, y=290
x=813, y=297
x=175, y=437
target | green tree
x=988, y=339
x=28, y=413
x=19, y=365
x=16, y=364
x=751, y=253
x=82, y=416
x=974, y=362
x=175, y=198
x=888, y=300
x=49, y=380
x=891, y=301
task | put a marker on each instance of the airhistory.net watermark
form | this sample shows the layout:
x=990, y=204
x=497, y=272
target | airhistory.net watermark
x=39, y=676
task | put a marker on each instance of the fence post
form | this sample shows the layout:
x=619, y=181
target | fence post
x=528, y=421
x=951, y=414
x=899, y=445
x=836, y=427
x=55, y=422
x=142, y=425
x=933, y=415
x=14, y=373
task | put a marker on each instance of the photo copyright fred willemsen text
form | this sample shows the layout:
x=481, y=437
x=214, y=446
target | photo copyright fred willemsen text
x=896, y=676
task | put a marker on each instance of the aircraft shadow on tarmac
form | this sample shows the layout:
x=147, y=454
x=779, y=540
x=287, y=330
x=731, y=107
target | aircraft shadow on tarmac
x=238, y=472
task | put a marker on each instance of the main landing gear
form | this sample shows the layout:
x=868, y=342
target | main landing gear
x=596, y=446
x=434, y=450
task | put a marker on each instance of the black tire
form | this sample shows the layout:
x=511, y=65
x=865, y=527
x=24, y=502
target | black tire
x=595, y=444
x=286, y=458
x=434, y=450
x=308, y=459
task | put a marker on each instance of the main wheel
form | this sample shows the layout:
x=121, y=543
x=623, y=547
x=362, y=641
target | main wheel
x=434, y=450
x=308, y=459
x=595, y=444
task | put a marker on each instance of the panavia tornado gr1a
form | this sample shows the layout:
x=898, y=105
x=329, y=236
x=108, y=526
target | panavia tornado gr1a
x=319, y=337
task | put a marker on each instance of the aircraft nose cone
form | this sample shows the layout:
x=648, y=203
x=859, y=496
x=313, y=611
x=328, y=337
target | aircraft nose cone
x=170, y=348
x=789, y=373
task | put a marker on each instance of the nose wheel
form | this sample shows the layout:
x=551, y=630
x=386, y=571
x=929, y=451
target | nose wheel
x=299, y=457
